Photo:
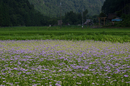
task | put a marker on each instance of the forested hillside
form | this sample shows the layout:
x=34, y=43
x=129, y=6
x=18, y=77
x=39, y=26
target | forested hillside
x=116, y=6
x=119, y=7
x=20, y=13
x=52, y=7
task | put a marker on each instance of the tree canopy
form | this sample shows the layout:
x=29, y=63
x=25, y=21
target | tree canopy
x=20, y=13
x=116, y=6
x=74, y=18
x=119, y=7
x=52, y=7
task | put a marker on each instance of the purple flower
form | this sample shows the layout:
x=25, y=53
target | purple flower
x=57, y=84
x=117, y=64
x=62, y=57
x=60, y=70
x=93, y=83
x=15, y=68
x=90, y=63
x=126, y=75
x=86, y=67
x=28, y=73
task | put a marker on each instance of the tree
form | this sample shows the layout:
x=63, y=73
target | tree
x=112, y=6
x=4, y=15
x=85, y=14
x=20, y=13
x=71, y=18
x=121, y=8
x=102, y=14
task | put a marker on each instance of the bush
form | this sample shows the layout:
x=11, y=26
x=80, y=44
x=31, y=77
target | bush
x=125, y=22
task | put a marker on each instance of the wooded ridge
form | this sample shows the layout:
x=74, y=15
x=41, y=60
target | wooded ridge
x=52, y=7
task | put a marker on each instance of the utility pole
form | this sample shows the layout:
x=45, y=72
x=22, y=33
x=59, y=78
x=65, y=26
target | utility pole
x=82, y=14
x=60, y=17
x=82, y=18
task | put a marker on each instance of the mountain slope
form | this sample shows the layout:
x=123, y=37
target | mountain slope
x=116, y=6
x=20, y=13
x=52, y=7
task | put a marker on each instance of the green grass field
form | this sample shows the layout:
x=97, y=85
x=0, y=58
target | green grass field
x=65, y=33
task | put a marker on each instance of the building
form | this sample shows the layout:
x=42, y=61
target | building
x=59, y=22
x=88, y=22
x=111, y=16
x=117, y=19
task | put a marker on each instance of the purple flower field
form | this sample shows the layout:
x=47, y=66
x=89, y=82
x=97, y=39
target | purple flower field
x=64, y=63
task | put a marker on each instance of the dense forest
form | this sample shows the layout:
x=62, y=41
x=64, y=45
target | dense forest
x=23, y=13
x=119, y=7
x=116, y=6
x=20, y=13
x=53, y=7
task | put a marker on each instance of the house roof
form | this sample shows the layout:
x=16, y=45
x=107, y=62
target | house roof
x=111, y=16
x=117, y=19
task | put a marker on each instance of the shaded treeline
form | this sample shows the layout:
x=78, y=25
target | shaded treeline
x=20, y=13
x=74, y=18
x=119, y=7
x=116, y=6
x=52, y=7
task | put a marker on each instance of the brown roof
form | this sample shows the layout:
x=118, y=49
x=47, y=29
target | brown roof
x=111, y=16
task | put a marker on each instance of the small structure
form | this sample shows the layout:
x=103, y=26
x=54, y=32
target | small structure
x=49, y=25
x=102, y=18
x=88, y=22
x=116, y=19
x=59, y=22
x=111, y=16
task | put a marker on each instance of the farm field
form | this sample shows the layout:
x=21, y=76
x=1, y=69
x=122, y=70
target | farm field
x=65, y=33
x=64, y=63
x=67, y=56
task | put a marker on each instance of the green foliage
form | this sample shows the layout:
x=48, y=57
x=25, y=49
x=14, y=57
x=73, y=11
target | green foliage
x=121, y=8
x=112, y=6
x=102, y=14
x=4, y=15
x=52, y=7
x=124, y=23
x=20, y=13
x=126, y=20
x=66, y=33
x=74, y=18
